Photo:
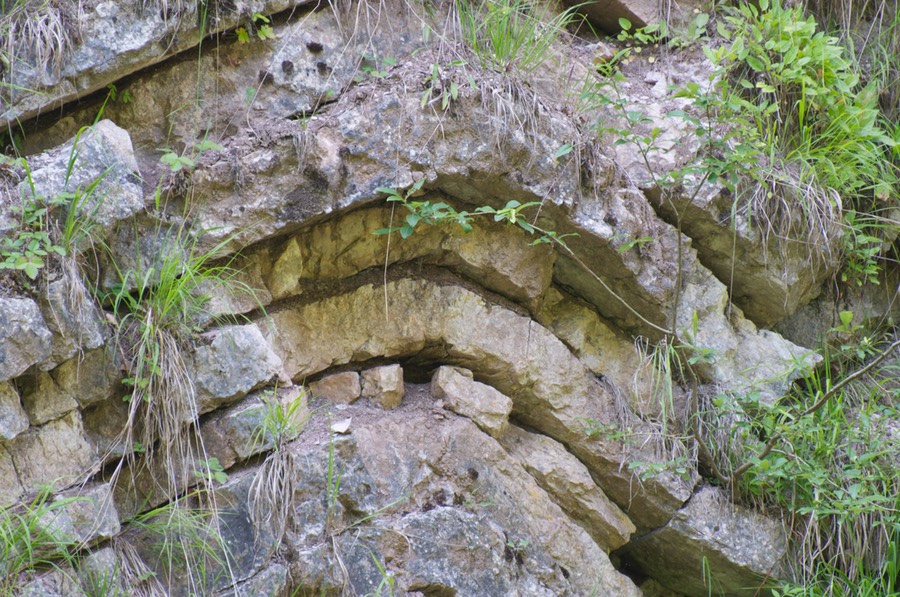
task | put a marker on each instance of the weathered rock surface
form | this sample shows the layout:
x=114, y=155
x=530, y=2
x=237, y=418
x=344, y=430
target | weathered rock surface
x=87, y=516
x=742, y=549
x=13, y=419
x=43, y=399
x=24, y=337
x=55, y=454
x=460, y=393
x=570, y=485
x=232, y=361
x=471, y=502
x=10, y=488
x=341, y=388
x=383, y=385
x=113, y=40
x=97, y=165
x=552, y=391
x=90, y=377
x=398, y=486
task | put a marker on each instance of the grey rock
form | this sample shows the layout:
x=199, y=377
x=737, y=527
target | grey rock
x=271, y=581
x=488, y=408
x=553, y=392
x=60, y=582
x=457, y=551
x=319, y=572
x=87, y=516
x=91, y=377
x=383, y=385
x=10, y=488
x=741, y=548
x=100, y=162
x=44, y=400
x=116, y=40
x=13, y=419
x=233, y=361
x=55, y=454
x=570, y=485
x=455, y=463
x=340, y=388
x=73, y=317
x=24, y=337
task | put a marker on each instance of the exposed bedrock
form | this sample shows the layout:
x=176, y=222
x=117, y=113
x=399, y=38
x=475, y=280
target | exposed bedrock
x=490, y=406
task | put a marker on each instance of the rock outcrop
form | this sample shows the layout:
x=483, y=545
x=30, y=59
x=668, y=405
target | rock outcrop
x=485, y=409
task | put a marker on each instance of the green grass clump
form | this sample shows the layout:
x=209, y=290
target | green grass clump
x=30, y=543
x=511, y=36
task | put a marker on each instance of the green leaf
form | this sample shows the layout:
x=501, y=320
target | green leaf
x=624, y=23
x=31, y=269
x=406, y=231
x=565, y=149
x=265, y=32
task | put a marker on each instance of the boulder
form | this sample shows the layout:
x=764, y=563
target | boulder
x=460, y=393
x=13, y=419
x=712, y=540
x=383, y=385
x=55, y=454
x=98, y=166
x=340, y=388
x=230, y=362
x=24, y=337
x=44, y=400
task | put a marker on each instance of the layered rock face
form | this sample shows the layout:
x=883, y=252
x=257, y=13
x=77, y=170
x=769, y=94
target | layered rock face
x=449, y=413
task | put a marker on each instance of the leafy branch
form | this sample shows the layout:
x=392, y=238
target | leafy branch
x=435, y=213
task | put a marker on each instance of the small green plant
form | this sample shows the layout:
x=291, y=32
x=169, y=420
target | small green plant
x=124, y=97
x=211, y=468
x=631, y=242
x=642, y=36
x=332, y=483
x=185, y=161
x=29, y=247
x=862, y=250
x=375, y=66
x=259, y=25
x=388, y=582
x=49, y=226
x=442, y=89
x=273, y=484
